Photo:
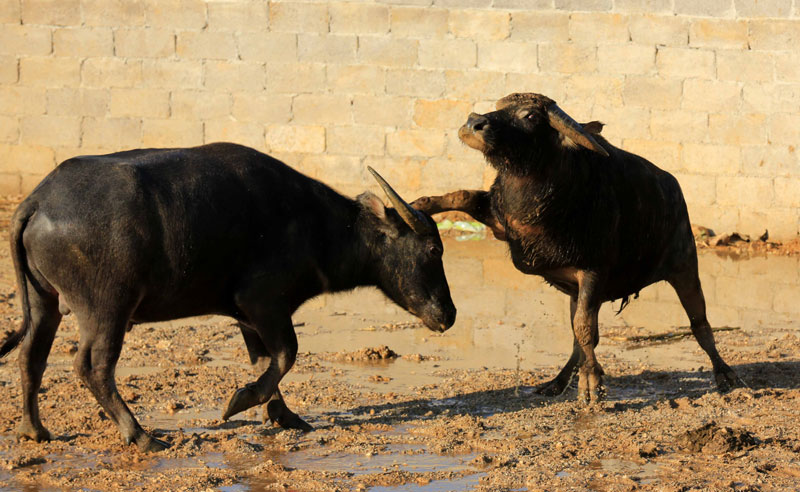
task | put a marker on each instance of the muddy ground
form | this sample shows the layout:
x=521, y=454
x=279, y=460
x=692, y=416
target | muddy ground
x=399, y=408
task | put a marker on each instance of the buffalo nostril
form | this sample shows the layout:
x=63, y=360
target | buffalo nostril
x=477, y=122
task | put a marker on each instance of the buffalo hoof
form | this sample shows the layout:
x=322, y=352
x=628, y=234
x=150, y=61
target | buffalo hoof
x=279, y=413
x=37, y=434
x=241, y=400
x=149, y=444
x=727, y=380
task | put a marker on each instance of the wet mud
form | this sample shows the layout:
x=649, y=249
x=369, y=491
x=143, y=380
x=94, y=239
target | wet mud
x=396, y=407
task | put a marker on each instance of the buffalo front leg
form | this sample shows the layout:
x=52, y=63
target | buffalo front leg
x=476, y=203
x=584, y=328
x=43, y=323
x=96, y=362
x=687, y=286
x=559, y=384
x=275, y=410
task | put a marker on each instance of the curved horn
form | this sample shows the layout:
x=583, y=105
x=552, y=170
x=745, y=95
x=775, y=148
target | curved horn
x=568, y=127
x=410, y=215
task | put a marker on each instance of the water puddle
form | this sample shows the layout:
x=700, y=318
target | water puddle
x=644, y=473
x=468, y=482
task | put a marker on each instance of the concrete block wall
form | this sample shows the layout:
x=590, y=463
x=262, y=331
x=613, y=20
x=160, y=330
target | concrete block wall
x=707, y=89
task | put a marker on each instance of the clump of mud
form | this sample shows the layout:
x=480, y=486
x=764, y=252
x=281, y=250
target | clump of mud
x=367, y=354
x=713, y=439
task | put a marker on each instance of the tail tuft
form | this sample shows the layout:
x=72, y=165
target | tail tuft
x=12, y=340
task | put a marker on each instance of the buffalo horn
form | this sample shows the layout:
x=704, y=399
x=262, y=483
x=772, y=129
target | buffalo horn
x=409, y=214
x=568, y=127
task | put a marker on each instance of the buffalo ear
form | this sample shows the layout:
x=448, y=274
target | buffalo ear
x=593, y=127
x=374, y=206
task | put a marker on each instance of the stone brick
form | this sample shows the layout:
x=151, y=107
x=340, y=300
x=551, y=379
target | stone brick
x=664, y=30
x=9, y=129
x=446, y=174
x=590, y=5
x=30, y=159
x=206, y=44
x=403, y=174
x=411, y=82
x=770, y=160
x=25, y=40
x=9, y=70
x=411, y=143
x=284, y=138
x=298, y=17
x=414, y=22
x=175, y=14
x=10, y=11
x=442, y=113
x=261, y=107
x=387, y=51
x=10, y=184
x=171, y=133
x=144, y=43
x=382, y=110
x=523, y=4
x=786, y=98
x=757, y=97
x=51, y=12
x=113, y=13
x=147, y=103
x=355, y=140
x=598, y=28
x=234, y=75
x=685, y=62
x=567, y=57
x=771, y=34
x=787, y=192
x=698, y=189
x=787, y=66
x=447, y=53
x=358, y=18
x=199, y=105
x=230, y=130
x=644, y=6
x=785, y=128
x=474, y=85
x=707, y=8
x=664, y=154
x=745, y=66
x=718, y=33
x=110, y=72
x=50, y=130
x=462, y=3
x=322, y=109
x=587, y=90
x=83, y=42
x=549, y=27
x=356, y=79
x=710, y=95
x=238, y=16
x=623, y=122
x=507, y=56
x=295, y=77
x=737, y=129
x=719, y=160
x=22, y=100
x=272, y=47
x=744, y=191
x=780, y=222
x=112, y=133
x=49, y=71
x=652, y=92
x=326, y=48
x=762, y=8
x=626, y=58
x=171, y=73
x=479, y=25
x=69, y=101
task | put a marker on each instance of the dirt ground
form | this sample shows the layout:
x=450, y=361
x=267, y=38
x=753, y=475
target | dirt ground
x=399, y=408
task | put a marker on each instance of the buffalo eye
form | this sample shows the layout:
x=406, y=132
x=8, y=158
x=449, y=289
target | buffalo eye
x=435, y=250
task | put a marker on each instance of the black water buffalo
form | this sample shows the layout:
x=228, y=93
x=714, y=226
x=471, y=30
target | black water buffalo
x=159, y=234
x=596, y=222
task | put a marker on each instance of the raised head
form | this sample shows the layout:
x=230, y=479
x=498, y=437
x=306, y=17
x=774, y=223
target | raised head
x=525, y=128
x=407, y=252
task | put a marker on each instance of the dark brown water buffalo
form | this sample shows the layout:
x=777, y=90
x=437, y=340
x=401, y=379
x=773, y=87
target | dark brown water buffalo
x=159, y=234
x=596, y=222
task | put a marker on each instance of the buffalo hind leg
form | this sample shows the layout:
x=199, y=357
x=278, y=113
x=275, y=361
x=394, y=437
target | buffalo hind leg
x=33, y=360
x=690, y=293
x=95, y=363
x=559, y=384
x=275, y=410
x=280, y=341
